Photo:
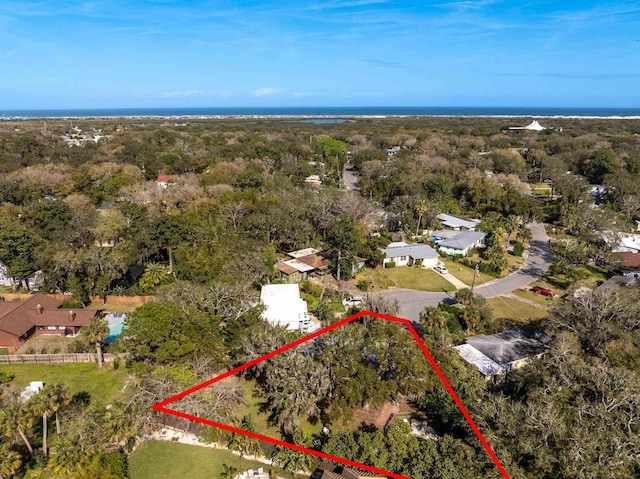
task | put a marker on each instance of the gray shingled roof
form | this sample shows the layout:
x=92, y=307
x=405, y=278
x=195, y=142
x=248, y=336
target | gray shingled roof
x=510, y=346
x=464, y=240
x=416, y=251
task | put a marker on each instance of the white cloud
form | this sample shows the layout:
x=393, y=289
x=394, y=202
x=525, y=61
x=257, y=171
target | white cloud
x=266, y=91
x=189, y=93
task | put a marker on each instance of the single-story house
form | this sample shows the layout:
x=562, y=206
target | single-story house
x=461, y=243
x=403, y=254
x=331, y=471
x=621, y=281
x=457, y=223
x=165, y=180
x=627, y=262
x=503, y=352
x=310, y=262
x=283, y=306
x=39, y=315
x=33, y=281
x=5, y=279
x=625, y=243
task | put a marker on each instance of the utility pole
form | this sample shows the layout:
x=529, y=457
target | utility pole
x=473, y=283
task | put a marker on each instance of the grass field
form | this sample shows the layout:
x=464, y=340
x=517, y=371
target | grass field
x=515, y=311
x=103, y=386
x=543, y=301
x=465, y=274
x=172, y=460
x=405, y=277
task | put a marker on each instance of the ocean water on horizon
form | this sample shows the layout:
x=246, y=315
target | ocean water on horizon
x=323, y=112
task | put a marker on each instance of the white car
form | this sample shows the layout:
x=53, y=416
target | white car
x=441, y=269
x=352, y=301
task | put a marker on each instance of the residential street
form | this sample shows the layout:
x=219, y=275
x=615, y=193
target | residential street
x=537, y=263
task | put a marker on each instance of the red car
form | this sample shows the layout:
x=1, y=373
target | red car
x=543, y=291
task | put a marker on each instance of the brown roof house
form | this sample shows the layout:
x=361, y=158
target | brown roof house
x=310, y=262
x=39, y=315
x=330, y=471
x=628, y=263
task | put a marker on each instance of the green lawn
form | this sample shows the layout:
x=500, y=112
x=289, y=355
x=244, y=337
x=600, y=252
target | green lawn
x=103, y=385
x=543, y=301
x=464, y=273
x=515, y=311
x=172, y=460
x=406, y=277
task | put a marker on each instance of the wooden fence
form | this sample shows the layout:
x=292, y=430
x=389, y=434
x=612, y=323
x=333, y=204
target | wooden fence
x=53, y=358
x=62, y=297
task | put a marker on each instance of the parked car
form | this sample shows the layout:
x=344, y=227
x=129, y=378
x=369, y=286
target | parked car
x=543, y=291
x=352, y=301
x=441, y=269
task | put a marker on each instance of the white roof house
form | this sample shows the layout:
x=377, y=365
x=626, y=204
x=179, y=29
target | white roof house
x=303, y=252
x=457, y=222
x=284, y=306
x=534, y=126
x=628, y=243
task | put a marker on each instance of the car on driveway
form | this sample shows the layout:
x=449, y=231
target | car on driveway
x=543, y=291
x=441, y=269
x=352, y=301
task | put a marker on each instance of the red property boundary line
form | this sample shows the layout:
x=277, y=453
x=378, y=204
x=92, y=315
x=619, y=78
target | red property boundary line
x=161, y=406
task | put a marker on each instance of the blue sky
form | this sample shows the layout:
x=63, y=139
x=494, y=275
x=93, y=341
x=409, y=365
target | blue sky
x=164, y=53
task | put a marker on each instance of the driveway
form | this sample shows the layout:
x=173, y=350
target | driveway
x=537, y=263
x=350, y=179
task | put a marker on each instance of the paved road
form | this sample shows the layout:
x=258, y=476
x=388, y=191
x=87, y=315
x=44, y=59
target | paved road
x=350, y=179
x=537, y=263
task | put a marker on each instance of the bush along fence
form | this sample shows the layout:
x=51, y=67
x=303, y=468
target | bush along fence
x=54, y=358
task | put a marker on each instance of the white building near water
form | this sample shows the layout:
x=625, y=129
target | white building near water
x=284, y=306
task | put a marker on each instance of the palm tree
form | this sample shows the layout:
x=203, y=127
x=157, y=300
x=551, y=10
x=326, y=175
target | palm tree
x=511, y=224
x=119, y=425
x=16, y=419
x=59, y=398
x=154, y=273
x=420, y=208
x=229, y=472
x=10, y=461
x=46, y=402
x=95, y=333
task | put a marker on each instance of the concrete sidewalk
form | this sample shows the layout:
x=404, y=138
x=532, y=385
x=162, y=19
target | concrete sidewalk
x=454, y=281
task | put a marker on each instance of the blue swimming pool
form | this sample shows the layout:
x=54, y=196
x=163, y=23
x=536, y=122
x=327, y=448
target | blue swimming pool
x=116, y=322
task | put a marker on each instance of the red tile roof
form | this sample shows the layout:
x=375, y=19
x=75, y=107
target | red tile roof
x=165, y=178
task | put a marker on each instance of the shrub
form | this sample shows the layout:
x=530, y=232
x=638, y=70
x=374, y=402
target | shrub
x=310, y=288
x=390, y=264
x=363, y=285
x=518, y=249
